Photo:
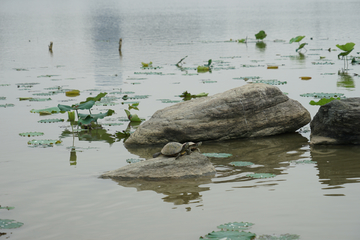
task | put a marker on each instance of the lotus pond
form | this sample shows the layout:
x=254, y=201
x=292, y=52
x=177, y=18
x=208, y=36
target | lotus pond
x=265, y=188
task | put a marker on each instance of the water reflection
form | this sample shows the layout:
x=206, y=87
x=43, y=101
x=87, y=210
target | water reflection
x=90, y=135
x=261, y=46
x=337, y=165
x=178, y=192
x=345, y=80
x=269, y=154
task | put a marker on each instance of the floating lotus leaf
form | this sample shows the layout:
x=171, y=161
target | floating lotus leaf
x=260, y=35
x=217, y=155
x=128, y=92
x=112, y=124
x=248, y=78
x=241, y=163
x=149, y=73
x=286, y=236
x=44, y=94
x=272, y=67
x=4, y=85
x=31, y=134
x=305, y=78
x=208, y=81
x=304, y=162
x=53, y=120
x=146, y=64
x=21, y=69
x=9, y=224
x=243, y=40
x=261, y=175
x=132, y=78
x=105, y=104
x=203, y=68
x=72, y=93
x=26, y=84
x=169, y=101
x=44, y=142
x=235, y=226
x=296, y=39
x=346, y=47
x=323, y=95
x=323, y=101
x=7, y=105
x=47, y=76
x=7, y=208
x=126, y=97
x=46, y=110
x=230, y=235
x=39, y=99
x=270, y=82
x=323, y=63
x=134, y=106
x=134, y=160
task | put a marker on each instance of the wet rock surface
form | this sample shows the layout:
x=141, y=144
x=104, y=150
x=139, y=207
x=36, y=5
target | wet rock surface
x=337, y=122
x=252, y=110
x=162, y=168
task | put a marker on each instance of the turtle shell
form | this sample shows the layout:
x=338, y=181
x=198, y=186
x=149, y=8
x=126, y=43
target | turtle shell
x=172, y=148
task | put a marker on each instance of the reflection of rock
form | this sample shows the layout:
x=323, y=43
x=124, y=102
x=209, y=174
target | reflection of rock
x=337, y=164
x=252, y=110
x=270, y=154
x=180, y=191
x=187, y=166
x=337, y=123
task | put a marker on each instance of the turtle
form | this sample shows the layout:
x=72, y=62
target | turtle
x=174, y=149
x=194, y=146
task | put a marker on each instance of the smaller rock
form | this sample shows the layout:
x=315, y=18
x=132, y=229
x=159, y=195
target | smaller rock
x=162, y=168
x=337, y=122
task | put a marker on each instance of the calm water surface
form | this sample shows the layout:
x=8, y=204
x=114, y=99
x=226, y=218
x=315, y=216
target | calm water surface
x=59, y=196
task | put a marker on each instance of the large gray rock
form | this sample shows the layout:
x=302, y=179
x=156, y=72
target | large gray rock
x=337, y=122
x=253, y=110
x=162, y=168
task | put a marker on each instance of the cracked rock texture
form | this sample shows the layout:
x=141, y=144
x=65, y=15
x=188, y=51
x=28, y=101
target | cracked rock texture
x=252, y=110
x=337, y=122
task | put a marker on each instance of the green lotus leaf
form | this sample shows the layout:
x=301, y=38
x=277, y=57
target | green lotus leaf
x=304, y=162
x=301, y=46
x=85, y=105
x=65, y=108
x=132, y=117
x=46, y=110
x=134, y=160
x=72, y=93
x=235, y=226
x=346, y=47
x=44, y=94
x=44, y=142
x=25, y=98
x=323, y=95
x=112, y=124
x=95, y=99
x=344, y=53
x=7, y=208
x=47, y=76
x=53, y=120
x=31, y=134
x=241, y=164
x=86, y=120
x=260, y=175
x=7, y=105
x=2, y=98
x=217, y=155
x=169, y=101
x=323, y=101
x=203, y=68
x=243, y=40
x=230, y=235
x=269, y=82
x=286, y=236
x=9, y=224
x=39, y=99
x=296, y=39
x=134, y=106
x=260, y=35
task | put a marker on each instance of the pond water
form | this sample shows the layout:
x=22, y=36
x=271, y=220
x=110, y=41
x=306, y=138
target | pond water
x=56, y=192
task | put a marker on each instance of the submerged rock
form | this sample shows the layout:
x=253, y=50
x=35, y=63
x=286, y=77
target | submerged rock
x=253, y=110
x=337, y=122
x=162, y=168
